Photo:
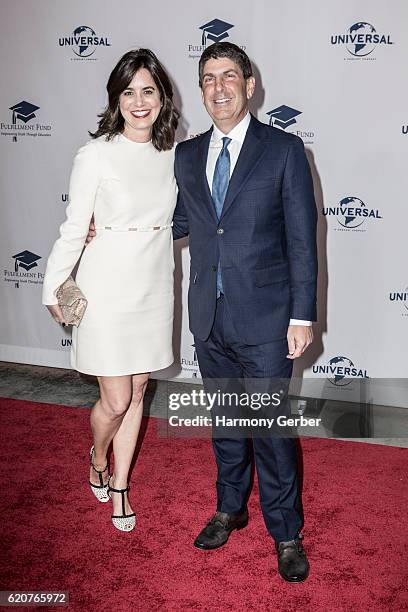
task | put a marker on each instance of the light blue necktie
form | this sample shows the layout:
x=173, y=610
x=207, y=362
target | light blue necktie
x=219, y=191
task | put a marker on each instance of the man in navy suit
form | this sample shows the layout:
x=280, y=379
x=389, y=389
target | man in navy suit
x=246, y=201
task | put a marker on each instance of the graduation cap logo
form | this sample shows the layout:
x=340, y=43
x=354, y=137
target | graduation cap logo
x=283, y=116
x=215, y=30
x=25, y=111
x=26, y=260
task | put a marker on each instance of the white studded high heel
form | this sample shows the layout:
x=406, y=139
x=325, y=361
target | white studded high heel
x=101, y=490
x=123, y=522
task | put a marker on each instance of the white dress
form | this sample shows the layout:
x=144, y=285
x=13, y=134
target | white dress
x=126, y=272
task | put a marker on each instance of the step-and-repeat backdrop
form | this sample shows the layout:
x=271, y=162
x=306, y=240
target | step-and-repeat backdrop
x=333, y=73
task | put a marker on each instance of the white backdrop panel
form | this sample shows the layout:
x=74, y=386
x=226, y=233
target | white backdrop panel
x=352, y=109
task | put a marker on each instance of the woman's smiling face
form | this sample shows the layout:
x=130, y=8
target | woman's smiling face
x=140, y=106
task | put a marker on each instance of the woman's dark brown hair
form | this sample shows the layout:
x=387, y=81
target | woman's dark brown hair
x=111, y=120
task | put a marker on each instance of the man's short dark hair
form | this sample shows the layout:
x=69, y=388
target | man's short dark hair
x=225, y=49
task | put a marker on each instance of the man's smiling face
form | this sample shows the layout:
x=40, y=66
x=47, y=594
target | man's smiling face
x=225, y=92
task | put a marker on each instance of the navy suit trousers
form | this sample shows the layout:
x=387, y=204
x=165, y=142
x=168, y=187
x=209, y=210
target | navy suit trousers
x=224, y=356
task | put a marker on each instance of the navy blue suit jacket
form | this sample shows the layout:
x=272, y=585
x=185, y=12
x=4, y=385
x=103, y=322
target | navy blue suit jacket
x=265, y=238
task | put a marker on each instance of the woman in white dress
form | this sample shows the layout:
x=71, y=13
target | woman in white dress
x=124, y=178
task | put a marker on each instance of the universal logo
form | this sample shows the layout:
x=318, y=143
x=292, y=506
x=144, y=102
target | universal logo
x=340, y=371
x=284, y=117
x=400, y=298
x=83, y=42
x=351, y=214
x=22, y=122
x=215, y=30
x=190, y=365
x=360, y=40
x=22, y=272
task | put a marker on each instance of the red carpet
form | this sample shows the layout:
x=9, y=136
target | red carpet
x=57, y=537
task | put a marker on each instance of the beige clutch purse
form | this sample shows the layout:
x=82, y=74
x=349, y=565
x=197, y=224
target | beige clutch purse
x=72, y=301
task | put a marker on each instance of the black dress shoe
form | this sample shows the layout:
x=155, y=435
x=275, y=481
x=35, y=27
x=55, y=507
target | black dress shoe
x=218, y=530
x=293, y=565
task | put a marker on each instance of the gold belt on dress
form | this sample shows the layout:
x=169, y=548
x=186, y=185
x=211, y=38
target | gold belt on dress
x=148, y=228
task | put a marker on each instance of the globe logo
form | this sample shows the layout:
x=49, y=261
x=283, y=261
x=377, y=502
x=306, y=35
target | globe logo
x=83, y=42
x=363, y=45
x=351, y=212
x=340, y=363
x=86, y=35
x=361, y=39
x=400, y=296
x=349, y=218
x=340, y=371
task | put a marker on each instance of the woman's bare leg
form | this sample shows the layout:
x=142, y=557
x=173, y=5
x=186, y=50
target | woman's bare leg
x=107, y=416
x=125, y=439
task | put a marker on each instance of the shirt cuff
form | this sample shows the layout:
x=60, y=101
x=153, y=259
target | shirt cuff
x=300, y=322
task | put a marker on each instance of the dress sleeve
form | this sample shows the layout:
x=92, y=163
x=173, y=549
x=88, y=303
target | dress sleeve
x=68, y=248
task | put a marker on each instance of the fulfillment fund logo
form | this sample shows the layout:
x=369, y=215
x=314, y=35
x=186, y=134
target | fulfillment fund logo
x=22, y=122
x=360, y=40
x=22, y=272
x=215, y=30
x=84, y=42
x=351, y=213
x=284, y=117
x=190, y=367
x=340, y=371
x=401, y=299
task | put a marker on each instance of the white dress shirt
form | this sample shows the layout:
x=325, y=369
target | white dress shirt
x=237, y=135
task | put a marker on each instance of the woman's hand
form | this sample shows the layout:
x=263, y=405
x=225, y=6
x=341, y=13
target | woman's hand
x=56, y=314
x=91, y=231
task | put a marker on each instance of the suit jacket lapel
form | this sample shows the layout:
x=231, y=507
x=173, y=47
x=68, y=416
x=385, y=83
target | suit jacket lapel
x=201, y=172
x=250, y=154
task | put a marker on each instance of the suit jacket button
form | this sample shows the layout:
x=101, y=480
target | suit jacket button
x=220, y=231
x=214, y=268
